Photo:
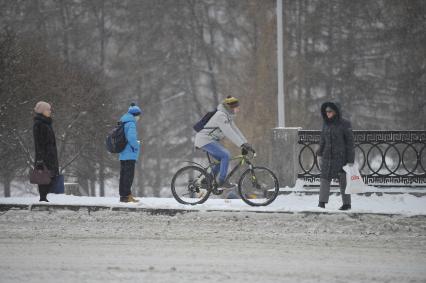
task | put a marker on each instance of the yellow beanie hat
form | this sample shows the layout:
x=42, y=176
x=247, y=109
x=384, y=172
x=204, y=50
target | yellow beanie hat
x=231, y=102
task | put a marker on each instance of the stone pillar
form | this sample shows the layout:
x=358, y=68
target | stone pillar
x=285, y=155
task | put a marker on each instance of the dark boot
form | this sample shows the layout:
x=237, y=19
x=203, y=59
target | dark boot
x=124, y=199
x=345, y=207
x=321, y=204
x=43, y=191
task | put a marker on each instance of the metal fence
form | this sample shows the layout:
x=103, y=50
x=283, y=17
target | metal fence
x=385, y=158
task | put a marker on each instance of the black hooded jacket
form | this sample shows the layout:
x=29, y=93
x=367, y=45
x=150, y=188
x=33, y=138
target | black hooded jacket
x=45, y=143
x=336, y=144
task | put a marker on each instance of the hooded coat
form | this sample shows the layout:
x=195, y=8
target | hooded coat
x=45, y=143
x=336, y=144
x=131, y=151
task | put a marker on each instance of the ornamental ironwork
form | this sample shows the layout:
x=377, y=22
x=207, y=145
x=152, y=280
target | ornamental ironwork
x=385, y=158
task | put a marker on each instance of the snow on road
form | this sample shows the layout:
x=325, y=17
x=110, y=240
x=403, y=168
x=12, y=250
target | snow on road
x=107, y=246
x=405, y=204
x=234, y=245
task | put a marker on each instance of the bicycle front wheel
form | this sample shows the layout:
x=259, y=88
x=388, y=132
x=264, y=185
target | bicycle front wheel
x=191, y=185
x=258, y=186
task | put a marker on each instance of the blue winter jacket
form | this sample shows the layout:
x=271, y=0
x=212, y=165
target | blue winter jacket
x=131, y=151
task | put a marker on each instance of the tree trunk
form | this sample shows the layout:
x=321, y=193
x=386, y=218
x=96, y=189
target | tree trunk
x=102, y=176
x=84, y=183
x=7, y=186
x=92, y=188
x=101, y=26
x=158, y=174
x=330, y=51
x=65, y=39
x=207, y=50
x=140, y=178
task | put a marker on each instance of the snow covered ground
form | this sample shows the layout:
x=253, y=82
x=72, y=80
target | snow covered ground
x=404, y=204
x=106, y=246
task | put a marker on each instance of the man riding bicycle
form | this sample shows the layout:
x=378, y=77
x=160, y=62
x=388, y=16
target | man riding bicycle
x=222, y=125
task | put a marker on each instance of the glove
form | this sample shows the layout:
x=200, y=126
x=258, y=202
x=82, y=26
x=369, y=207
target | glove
x=319, y=159
x=245, y=148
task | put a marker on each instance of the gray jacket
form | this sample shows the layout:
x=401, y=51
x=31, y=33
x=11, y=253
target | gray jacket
x=221, y=125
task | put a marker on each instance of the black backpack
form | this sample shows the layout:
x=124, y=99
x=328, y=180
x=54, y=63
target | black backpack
x=116, y=140
x=202, y=123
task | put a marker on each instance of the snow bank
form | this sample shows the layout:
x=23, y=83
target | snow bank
x=404, y=204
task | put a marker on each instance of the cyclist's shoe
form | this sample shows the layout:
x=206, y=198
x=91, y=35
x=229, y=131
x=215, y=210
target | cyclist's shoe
x=345, y=207
x=225, y=185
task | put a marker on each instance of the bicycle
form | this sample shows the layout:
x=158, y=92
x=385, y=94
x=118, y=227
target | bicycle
x=193, y=184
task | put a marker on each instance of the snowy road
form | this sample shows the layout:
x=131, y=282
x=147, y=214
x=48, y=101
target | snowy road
x=105, y=246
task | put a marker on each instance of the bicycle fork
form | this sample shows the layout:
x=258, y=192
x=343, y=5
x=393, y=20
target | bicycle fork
x=253, y=177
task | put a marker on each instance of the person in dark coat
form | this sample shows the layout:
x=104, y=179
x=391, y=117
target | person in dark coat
x=336, y=150
x=46, y=153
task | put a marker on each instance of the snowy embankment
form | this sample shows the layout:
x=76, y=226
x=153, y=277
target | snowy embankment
x=404, y=204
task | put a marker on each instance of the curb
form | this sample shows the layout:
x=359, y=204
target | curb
x=173, y=212
x=337, y=193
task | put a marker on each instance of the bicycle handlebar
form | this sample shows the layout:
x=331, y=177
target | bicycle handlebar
x=247, y=156
x=247, y=150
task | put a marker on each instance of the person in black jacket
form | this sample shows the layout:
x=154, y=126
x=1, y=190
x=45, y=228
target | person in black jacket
x=45, y=144
x=336, y=150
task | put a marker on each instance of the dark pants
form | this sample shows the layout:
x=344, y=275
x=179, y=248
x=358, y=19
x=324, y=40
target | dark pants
x=325, y=189
x=43, y=190
x=127, y=173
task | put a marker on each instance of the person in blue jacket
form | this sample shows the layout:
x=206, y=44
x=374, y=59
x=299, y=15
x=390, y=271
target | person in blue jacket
x=130, y=153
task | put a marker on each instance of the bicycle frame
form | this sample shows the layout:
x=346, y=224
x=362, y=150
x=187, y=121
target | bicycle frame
x=243, y=159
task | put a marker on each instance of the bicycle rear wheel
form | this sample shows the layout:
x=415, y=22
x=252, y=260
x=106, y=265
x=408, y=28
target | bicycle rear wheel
x=258, y=186
x=191, y=185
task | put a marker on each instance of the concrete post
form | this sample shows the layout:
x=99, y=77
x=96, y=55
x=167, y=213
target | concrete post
x=285, y=155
